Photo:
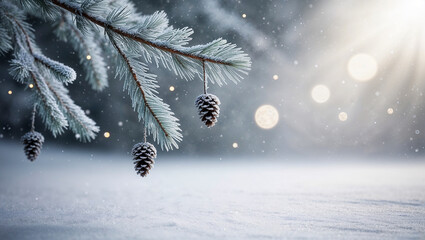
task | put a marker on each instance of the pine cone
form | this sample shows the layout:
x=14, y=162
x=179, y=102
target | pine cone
x=208, y=108
x=144, y=154
x=33, y=141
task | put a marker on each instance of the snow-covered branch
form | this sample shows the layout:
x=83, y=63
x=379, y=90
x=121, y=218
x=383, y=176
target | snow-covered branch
x=162, y=43
x=89, y=52
x=113, y=27
x=157, y=116
x=46, y=77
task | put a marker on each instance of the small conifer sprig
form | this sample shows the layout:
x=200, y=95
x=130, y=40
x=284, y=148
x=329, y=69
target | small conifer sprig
x=47, y=76
x=113, y=27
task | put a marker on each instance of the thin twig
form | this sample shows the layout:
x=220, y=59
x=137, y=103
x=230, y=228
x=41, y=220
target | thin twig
x=205, y=79
x=144, y=134
x=33, y=118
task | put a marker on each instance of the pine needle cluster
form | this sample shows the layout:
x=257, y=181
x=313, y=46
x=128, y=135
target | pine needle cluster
x=99, y=28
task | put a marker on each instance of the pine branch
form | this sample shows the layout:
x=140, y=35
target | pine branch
x=234, y=60
x=88, y=51
x=128, y=4
x=84, y=128
x=75, y=9
x=62, y=73
x=56, y=108
x=5, y=40
x=23, y=70
x=157, y=116
x=47, y=108
x=132, y=38
x=41, y=8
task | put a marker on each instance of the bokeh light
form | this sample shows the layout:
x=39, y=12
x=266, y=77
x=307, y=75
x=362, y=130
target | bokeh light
x=390, y=111
x=343, y=116
x=235, y=145
x=320, y=93
x=266, y=116
x=362, y=67
x=106, y=134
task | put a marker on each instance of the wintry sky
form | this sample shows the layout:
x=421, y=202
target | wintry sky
x=344, y=77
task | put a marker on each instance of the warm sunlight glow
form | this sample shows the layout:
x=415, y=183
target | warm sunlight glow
x=320, y=93
x=362, y=67
x=412, y=10
x=266, y=116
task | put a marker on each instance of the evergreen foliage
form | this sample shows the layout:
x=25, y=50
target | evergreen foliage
x=95, y=28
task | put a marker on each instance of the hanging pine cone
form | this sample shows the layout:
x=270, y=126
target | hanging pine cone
x=208, y=108
x=33, y=141
x=144, y=154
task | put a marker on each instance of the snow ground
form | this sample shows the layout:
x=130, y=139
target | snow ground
x=76, y=195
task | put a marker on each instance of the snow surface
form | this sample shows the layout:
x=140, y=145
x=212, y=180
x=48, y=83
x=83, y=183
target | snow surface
x=80, y=195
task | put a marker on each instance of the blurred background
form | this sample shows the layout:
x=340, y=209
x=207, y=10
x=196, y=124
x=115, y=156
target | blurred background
x=328, y=77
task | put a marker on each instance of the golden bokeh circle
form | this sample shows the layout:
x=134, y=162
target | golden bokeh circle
x=266, y=116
